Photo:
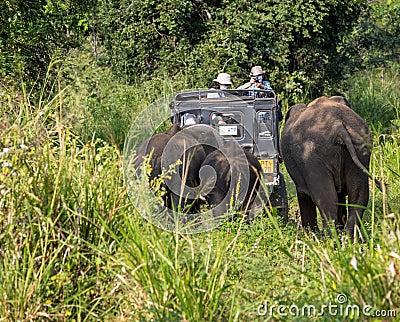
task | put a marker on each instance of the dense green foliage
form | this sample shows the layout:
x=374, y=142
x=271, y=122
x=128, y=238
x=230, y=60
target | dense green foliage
x=200, y=39
x=375, y=41
x=32, y=31
x=299, y=43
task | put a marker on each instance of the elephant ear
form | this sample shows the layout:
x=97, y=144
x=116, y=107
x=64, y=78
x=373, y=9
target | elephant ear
x=295, y=109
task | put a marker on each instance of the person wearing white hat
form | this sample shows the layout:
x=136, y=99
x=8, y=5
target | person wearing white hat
x=223, y=81
x=188, y=119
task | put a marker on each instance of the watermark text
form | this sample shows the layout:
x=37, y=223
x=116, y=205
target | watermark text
x=340, y=307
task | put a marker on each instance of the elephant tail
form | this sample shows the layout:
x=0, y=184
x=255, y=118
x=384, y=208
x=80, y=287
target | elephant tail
x=345, y=136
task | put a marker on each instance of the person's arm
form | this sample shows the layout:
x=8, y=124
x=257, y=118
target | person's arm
x=244, y=86
x=266, y=85
x=248, y=84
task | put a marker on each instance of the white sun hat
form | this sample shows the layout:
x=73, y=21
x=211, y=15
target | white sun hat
x=224, y=79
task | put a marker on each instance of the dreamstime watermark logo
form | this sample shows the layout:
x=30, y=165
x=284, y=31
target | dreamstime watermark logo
x=341, y=308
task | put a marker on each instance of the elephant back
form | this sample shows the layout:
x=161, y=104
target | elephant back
x=339, y=116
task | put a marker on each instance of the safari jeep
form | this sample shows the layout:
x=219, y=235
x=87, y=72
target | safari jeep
x=247, y=116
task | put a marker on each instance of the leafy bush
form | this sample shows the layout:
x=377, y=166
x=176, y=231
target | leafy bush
x=198, y=40
x=30, y=33
x=375, y=42
x=187, y=41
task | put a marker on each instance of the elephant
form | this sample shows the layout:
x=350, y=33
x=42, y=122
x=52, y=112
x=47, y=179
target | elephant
x=154, y=145
x=231, y=173
x=326, y=148
x=177, y=149
x=207, y=169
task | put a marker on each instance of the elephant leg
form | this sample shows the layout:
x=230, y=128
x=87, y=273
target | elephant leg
x=358, y=195
x=216, y=197
x=342, y=212
x=308, y=211
x=327, y=205
x=323, y=192
x=178, y=201
x=218, y=202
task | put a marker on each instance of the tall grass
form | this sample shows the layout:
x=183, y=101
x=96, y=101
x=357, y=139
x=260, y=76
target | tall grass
x=181, y=278
x=72, y=246
x=54, y=190
x=375, y=96
x=70, y=240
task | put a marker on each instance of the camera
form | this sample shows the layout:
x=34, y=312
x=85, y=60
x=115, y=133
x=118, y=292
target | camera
x=258, y=78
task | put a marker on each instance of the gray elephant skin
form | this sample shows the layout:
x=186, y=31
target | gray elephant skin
x=165, y=149
x=235, y=176
x=326, y=148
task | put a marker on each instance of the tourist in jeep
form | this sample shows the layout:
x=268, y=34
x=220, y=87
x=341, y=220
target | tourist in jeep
x=223, y=81
x=257, y=80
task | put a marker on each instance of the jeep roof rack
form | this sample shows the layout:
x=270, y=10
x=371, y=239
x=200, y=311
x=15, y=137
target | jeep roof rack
x=228, y=94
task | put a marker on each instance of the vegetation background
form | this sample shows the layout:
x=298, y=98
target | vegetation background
x=73, y=77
